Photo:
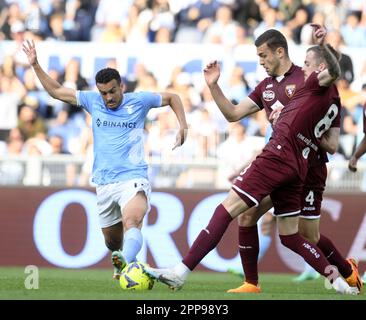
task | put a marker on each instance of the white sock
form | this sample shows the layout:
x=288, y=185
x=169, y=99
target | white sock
x=181, y=270
x=132, y=243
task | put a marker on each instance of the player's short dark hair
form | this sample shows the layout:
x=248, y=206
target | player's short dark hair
x=274, y=39
x=107, y=74
x=319, y=55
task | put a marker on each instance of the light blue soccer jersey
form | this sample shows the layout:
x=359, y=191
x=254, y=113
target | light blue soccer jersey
x=118, y=135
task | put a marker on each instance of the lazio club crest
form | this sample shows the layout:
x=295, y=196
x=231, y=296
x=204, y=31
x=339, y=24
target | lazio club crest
x=290, y=90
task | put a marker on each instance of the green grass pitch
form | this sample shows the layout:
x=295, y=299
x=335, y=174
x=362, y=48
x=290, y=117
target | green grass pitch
x=97, y=284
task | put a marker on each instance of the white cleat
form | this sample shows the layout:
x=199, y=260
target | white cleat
x=167, y=276
x=342, y=287
x=352, y=291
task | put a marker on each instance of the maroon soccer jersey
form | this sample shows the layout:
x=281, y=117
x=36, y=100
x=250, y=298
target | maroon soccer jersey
x=274, y=92
x=300, y=126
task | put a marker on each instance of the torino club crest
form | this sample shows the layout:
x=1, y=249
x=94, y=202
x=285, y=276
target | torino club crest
x=290, y=90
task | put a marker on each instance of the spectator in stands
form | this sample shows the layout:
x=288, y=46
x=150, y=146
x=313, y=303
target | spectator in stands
x=246, y=13
x=86, y=149
x=360, y=78
x=38, y=97
x=236, y=152
x=238, y=86
x=135, y=28
x=269, y=20
x=108, y=15
x=353, y=33
x=194, y=20
x=333, y=13
x=72, y=78
x=11, y=171
x=57, y=145
x=56, y=27
x=224, y=29
x=242, y=36
x=351, y=112
x=287, y=9
x=79, y=19
x=66, y=128
x=9, y=80
x=297, y=23
x=10, y=98
x=10, y=14
x=182, y=83
x=14, y=143
x=147, y=82
x=34, y=19
x=29, y=123
x=162, y=17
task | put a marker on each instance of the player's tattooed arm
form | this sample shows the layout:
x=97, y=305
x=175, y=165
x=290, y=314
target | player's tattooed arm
x=333, y=70
x=332, y=62
x=330, y=140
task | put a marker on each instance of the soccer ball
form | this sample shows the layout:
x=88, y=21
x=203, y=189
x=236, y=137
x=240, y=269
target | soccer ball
x=134, y=278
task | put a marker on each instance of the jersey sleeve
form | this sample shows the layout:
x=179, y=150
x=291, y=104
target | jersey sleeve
x=312, y=83
x=151, y=100
x=84, y=99
x=256, y=95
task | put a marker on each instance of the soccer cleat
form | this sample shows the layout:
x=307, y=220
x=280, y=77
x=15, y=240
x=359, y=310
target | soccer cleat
x=119, y=263
x=354, y=280
x=352, y=291
x=306, y=275
x=166, y=276
x=246, y=287
x=342, y=287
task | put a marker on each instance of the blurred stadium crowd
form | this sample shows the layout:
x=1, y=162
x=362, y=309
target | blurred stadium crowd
x=32, y=123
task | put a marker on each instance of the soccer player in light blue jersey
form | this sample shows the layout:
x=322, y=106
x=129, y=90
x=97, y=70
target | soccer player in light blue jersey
x=119, y=169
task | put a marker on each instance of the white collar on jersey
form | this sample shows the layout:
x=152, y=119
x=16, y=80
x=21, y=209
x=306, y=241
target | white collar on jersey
x=279, y=78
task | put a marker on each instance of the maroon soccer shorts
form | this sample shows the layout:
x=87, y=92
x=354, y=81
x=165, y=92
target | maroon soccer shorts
x=312, y=195
x=271, y=177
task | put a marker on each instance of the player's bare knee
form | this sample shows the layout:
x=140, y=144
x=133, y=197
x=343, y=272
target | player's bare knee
x=132, y=222
x=246, y=220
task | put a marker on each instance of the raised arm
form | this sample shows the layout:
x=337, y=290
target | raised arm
x=54, y=89
x=333, y=70
x=230, y=111
x=176, y=104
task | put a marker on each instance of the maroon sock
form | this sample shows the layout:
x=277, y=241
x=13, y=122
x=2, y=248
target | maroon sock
x=334, y=257
x=310, y=252
x=208, y=237
x=249, y=251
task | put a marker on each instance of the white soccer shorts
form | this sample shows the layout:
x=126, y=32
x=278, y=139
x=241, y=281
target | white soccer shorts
x=113, y=197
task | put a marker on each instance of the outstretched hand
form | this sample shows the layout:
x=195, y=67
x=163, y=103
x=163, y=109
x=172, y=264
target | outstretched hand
x=274, y=115
x=212, y=72
x=30, y=50
x=319, y=33
x=180, y=138
x=352, y=164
